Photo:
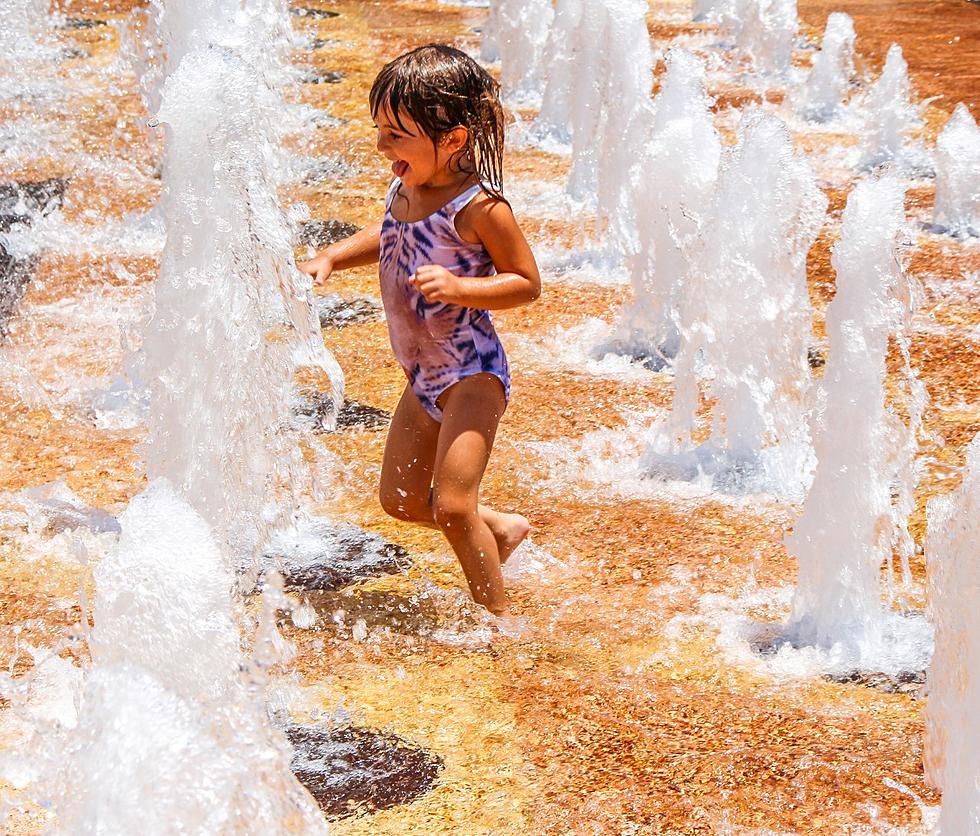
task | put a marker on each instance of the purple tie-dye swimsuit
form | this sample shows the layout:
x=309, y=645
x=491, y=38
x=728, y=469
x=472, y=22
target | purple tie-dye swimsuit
x=436, y=343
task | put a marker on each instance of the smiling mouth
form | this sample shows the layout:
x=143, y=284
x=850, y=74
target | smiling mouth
x=399, y=167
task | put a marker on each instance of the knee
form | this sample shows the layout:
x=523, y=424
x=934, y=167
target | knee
x=400, y=507
x=452, y=511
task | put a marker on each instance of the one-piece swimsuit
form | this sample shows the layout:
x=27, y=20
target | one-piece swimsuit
x=436, y=343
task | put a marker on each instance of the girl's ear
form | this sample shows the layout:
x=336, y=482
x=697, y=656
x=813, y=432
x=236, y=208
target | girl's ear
x=455, y=140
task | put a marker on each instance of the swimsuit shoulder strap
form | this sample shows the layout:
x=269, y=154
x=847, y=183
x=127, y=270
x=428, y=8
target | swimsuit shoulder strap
x=458, y=202
x=392, y=191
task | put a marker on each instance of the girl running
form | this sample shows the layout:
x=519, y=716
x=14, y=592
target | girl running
x=449, y=251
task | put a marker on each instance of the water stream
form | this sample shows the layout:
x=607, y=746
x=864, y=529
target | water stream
x=696, y=397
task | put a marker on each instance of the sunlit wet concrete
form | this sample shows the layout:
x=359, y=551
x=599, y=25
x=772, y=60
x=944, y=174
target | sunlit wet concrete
x=613, y=703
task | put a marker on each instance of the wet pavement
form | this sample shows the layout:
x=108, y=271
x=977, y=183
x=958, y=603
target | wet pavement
x=615, y=700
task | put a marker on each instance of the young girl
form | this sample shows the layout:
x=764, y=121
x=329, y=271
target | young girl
x=449, y=251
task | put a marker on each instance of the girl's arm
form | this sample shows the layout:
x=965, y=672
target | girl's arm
x=490, y=222
x=361, y=249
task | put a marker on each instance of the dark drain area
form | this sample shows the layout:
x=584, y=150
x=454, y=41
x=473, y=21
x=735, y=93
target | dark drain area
x=335, y=311
x=315, y=75
x=20, y=203
x=318, y=408
x=911, y=683
x=312, y=12
x=326, y=556
x=321, y=233
x=355, y=771
x=356, y=613
x=70, y=23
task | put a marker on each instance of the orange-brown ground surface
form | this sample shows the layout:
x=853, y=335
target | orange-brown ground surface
x=613, y=708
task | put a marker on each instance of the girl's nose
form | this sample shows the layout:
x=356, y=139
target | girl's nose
x=381, y=143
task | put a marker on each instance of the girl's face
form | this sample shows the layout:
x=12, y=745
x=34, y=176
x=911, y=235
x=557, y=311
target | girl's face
x=414, y=158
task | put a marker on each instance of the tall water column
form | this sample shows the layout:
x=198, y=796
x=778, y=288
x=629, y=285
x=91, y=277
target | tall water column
x=516, y=34
x=850, y=525
x=233, y=316
x=890, y=114
x=597, y=98
x=744, y=311
x=952, y=746
x=957, y=209
x=825, y=90
x=764, y=30
x=671, y=197
x=167, y=730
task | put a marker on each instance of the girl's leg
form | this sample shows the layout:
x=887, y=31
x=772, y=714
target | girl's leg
x=410, y=451
x=406, y=476
x=471, y=411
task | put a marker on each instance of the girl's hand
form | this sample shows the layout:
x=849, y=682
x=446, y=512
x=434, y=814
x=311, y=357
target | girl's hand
x=436, y=284
x=319, y=267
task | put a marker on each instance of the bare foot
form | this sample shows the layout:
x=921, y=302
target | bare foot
x=510, y=531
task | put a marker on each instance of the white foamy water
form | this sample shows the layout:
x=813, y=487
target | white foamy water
x=586, y=265
x=850, y=523
x=234, y=316
x=597, y=95
x=516, y=33
x=610, y=464
x=825, y=91
x=24, y=22
x=952, y=748
x=957, y=208
x=672, y=195
x=166, y=730
x=745, y=312
x=890, y=113
x=588, y=347
x=765, y=30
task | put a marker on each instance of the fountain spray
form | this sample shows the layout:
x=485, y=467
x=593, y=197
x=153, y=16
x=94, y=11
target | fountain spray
x=890, y=112
x=598, y=97
x=823, y=94
x=516, y=35
x=849, y=525
x=23, y=21
x=745, y=312
x=958, y=176
x=762, y=29
x=952, y=746
x=170, y=700
x=679, y=167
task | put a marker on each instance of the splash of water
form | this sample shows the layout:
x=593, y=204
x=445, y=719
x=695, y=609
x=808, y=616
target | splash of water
x=745, y=310
x=680, y=166
x=516, y=35
x=597, y=96
x=165, y=703
x=826, y=87
x=626, y=121
x=706, y=10
x=891, y=114
x=952, y=746
x=23, y=23
x=563, y=53
x=170, y=700
x=233, y=316
x=958, y=175
x=849, y=527
x=762, y=29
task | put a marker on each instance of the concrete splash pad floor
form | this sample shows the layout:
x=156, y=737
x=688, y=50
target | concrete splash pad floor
x=621, y=697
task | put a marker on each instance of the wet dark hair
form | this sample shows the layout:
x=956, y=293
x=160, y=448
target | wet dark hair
x=442, y=88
